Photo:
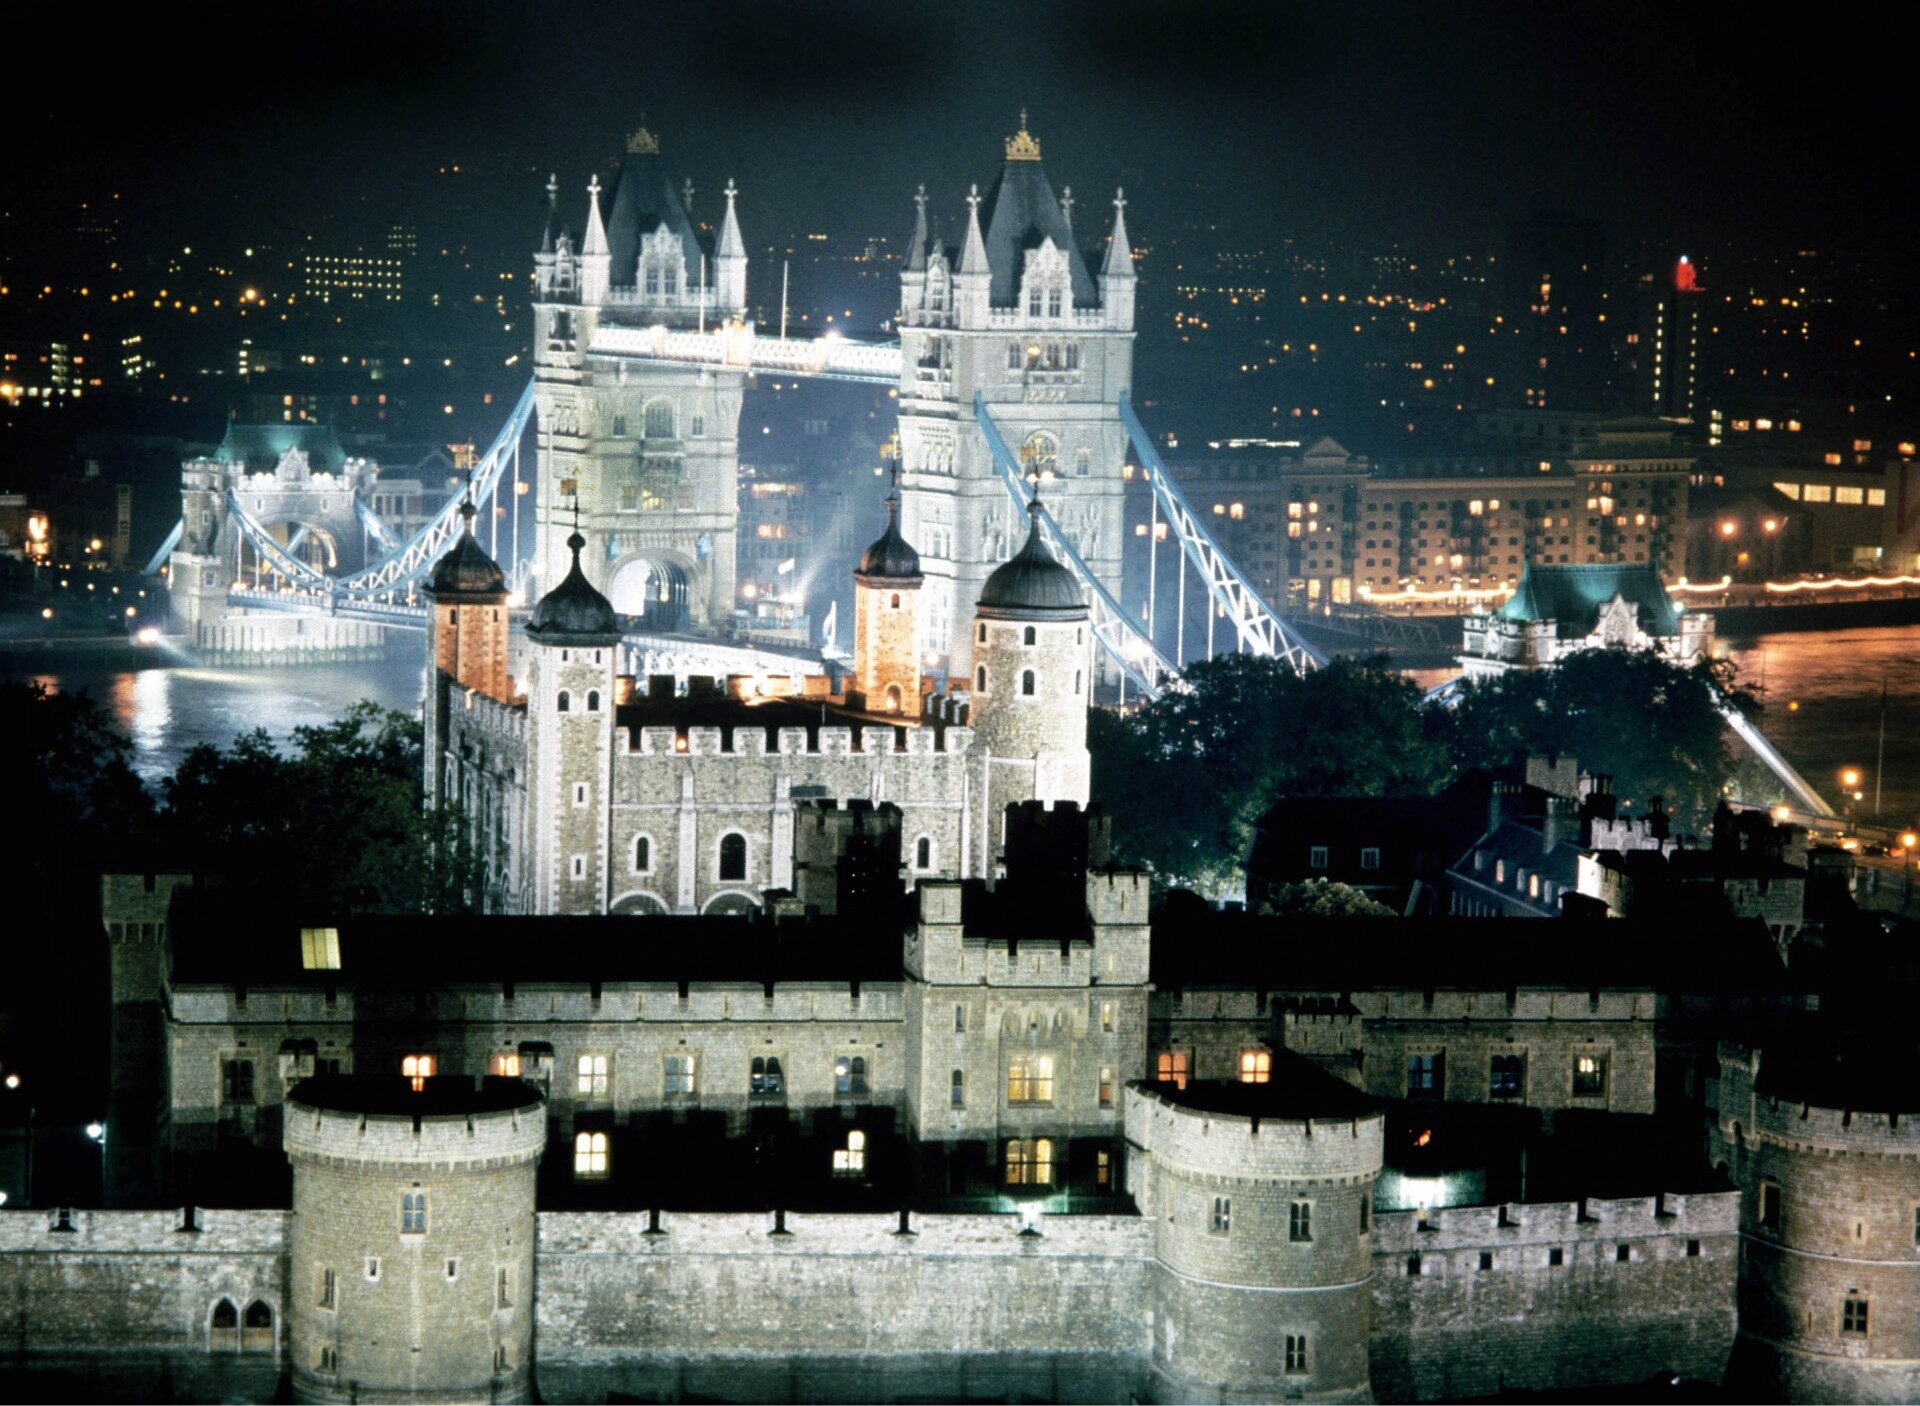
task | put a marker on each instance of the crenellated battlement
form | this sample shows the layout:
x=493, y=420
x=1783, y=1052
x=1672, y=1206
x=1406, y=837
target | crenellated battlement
x=1201, y=1141
x=753, y=740
x=1805, y=1124
x=502, y=720
x=481, y=1135
x=1596, y=1220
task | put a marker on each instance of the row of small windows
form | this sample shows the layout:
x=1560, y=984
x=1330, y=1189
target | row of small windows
x=564, y=703
x=1506, y=1074
x=1299, y=1219
x=1029, y=681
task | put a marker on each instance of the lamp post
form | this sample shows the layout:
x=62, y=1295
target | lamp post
x=1908, y=839
x=1850, y=785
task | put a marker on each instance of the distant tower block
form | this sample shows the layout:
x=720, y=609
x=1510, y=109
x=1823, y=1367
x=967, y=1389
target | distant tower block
x=411, y=1256
x=1015, y=312
x=648, y=451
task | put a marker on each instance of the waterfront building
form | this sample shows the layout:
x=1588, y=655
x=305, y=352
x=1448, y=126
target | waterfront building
x=1559, y=610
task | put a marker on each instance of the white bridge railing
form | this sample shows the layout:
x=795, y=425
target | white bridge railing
x=736, y=346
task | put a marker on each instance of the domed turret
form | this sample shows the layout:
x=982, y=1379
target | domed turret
x=465, y=569
x=1034, y=585
x=573, y=612
x=891, y=557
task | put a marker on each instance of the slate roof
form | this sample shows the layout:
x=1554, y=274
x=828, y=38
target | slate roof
x=465, y=569
x=260, y=447
x=643, y=200
x=891, y=556
x=1034, y=582
x=1020, y=213
x=1573, y=596
x=574, y=609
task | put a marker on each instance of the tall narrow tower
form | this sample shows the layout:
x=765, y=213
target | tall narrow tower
x=1016, y=315
x=648, y=450
x=886, y=609
x=466, y=640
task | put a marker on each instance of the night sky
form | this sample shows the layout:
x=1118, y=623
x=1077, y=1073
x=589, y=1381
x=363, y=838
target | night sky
x=1426, y=124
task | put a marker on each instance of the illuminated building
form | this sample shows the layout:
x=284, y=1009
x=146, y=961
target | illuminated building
x=371, y=278
x=1665, y=358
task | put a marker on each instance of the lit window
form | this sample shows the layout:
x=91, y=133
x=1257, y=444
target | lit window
x=1106, y=1086
x=1103, y=1169
x=591, y=1156
x=1030, y=1080
x=1817, y=493
x=320, y=949
x=1846, y=493
x=851, y=1160
x=592, y=1075
x=507, y=1066
x=1221, y=1221
x=1171, y=1068
x=679, y=1075
x=1030, y=1162
x=1256, y=1066
x=1106, y=1017
x=419, y=1068
x=1589, y=1075
x=413, y=1213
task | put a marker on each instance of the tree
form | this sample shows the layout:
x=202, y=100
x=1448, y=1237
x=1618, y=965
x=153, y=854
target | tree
x=1186, y=777
x=1321, y=898
x=1652, y=725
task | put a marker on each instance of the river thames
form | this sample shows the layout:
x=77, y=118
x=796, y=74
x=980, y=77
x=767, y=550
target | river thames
x=1835, y=677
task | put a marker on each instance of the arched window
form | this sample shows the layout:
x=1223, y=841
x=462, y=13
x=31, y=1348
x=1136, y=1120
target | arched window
x=593, y=700
x=592, y=1156
x=980, y=633
x=1026, y=682
x=850, y=1075
x=256, y=1328
x=642, y=854
x=1030, y=1162
x=660, y=420
x=1030, y=637
x=980, y=678
x=733, y=857
x=923, y=853
x=851, y=1161
x=225, y=1327
x=565, y=703
x=1040, y=454
x=765, y=1078
x=958, y=1097
x=893, y=698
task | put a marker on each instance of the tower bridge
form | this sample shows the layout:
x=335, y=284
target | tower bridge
x=1013, y=371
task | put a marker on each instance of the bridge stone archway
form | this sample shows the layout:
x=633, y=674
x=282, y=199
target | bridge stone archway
x=656, y=588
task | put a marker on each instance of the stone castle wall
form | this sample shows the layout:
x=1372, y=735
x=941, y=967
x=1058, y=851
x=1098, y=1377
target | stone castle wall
x=1476, y=1301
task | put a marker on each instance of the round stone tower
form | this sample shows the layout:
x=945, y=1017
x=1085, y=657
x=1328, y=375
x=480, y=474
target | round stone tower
x=411, y=1259
x=1826, y=1154
x=1032, y=678
x=1260, y=1197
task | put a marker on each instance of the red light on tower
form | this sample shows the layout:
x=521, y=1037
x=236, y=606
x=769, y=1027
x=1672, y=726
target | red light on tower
x=1684, y=277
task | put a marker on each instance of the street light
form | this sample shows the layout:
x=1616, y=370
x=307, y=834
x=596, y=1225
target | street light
x=1908, y=839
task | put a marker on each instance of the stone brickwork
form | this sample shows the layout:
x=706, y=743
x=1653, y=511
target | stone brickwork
x=1830, y=1287
x=410, y=1258
x=569, y=776
x=1479, y=1301
x=1261, y=1241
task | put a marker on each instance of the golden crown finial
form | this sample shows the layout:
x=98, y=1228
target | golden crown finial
x=1023, y=145
x=643, y=143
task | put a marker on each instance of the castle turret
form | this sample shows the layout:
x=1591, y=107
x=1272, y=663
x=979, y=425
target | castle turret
x=886, y=599
x=1260, y=1197
x=1117, y=276
x=730, y=265
x=973, y=280
x=570, y=699
x=595, y=259
x=468, y=626
x=1031, y=676
x=411, y=1251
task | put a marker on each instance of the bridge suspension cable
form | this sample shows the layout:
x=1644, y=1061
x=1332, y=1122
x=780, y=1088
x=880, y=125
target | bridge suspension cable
x=1260, y=628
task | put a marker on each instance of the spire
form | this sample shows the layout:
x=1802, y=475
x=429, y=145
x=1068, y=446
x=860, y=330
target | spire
x=553, y=215
x=973, y=259
x=1023, y=146
x=1119, y=263
x=1066, y=211
x=917, y=246
x=596, y=240
x=730, y=242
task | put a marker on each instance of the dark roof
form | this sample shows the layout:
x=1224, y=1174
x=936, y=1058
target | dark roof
x=260, y=447
x=1573, y=595
x=1585, y=1153
x=730, y=715
x=1296, y=1088
x=891, y=556
x=1034, y=583
x=1020, y=213
x=1826, y=1070
x=465, y=569
x=1204, y=947
x=393, y=1095
x=220, y=937
x=643, y=200
x=574, y=610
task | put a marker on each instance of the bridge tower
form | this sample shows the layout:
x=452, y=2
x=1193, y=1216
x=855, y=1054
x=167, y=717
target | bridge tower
x=1016, y=314
x=648, y=451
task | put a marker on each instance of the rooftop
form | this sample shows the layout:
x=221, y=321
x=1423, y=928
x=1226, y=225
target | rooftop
x=393, y=1095
x=1573, y=595
x=1297, y=1089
